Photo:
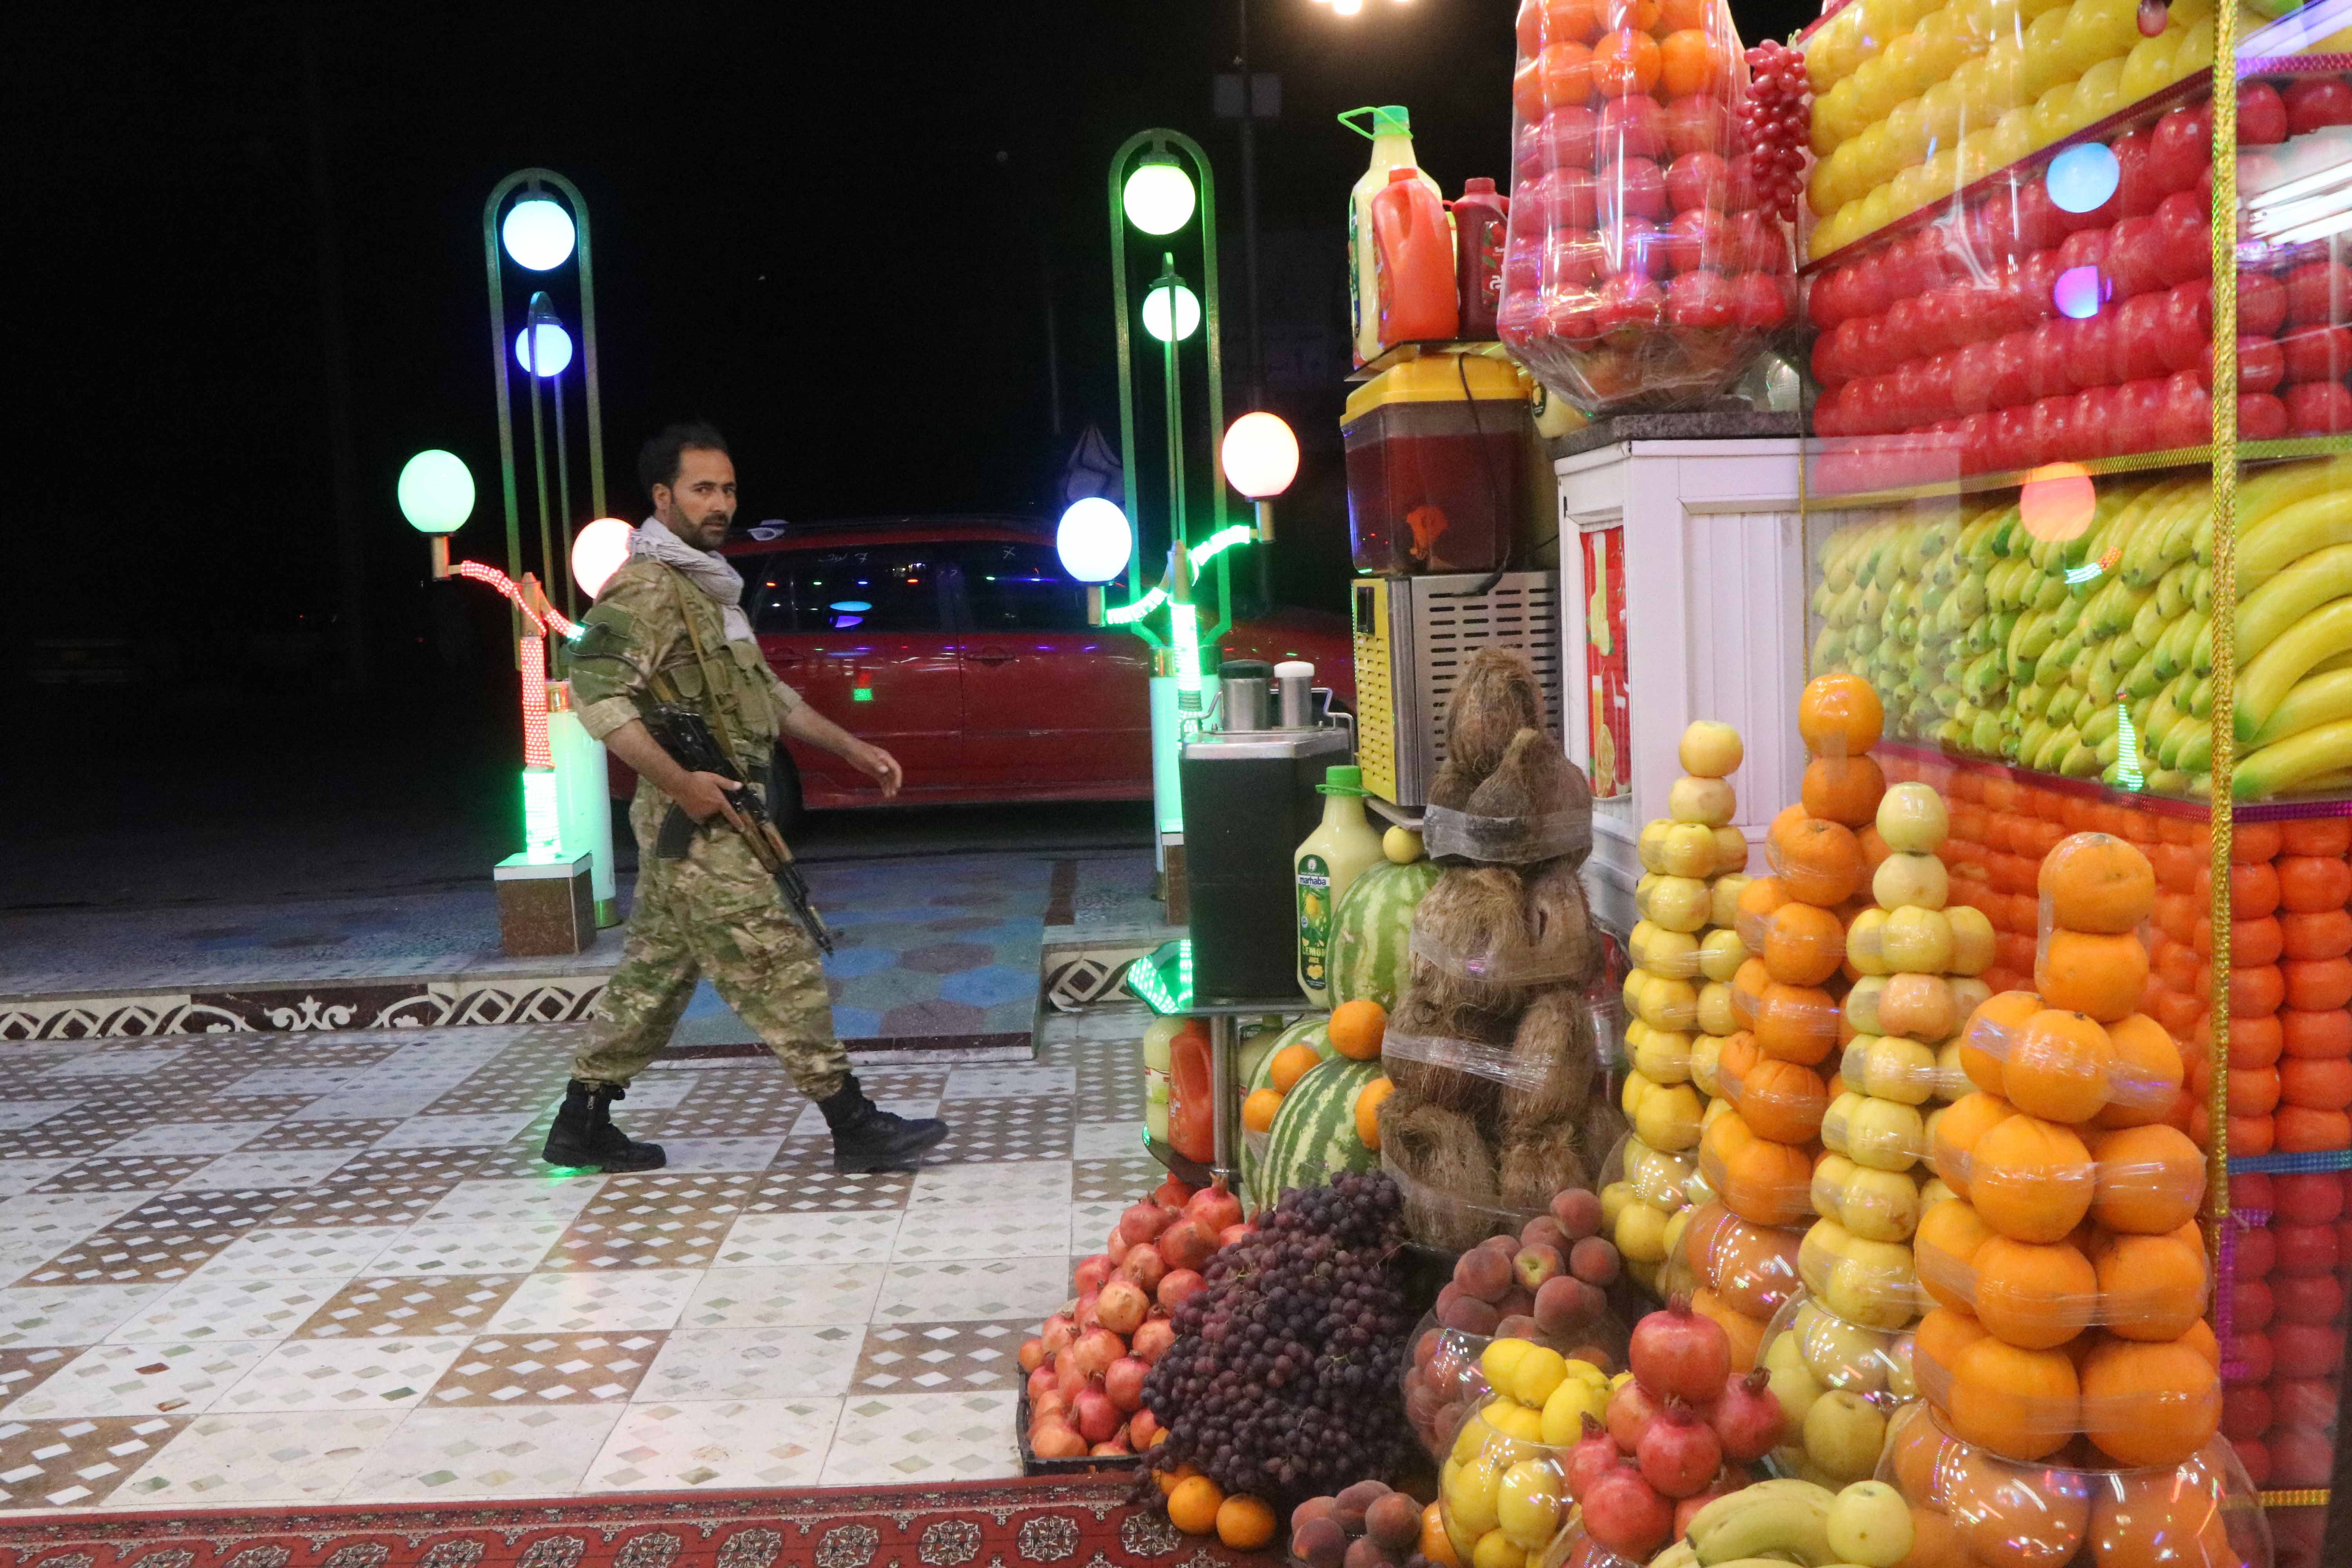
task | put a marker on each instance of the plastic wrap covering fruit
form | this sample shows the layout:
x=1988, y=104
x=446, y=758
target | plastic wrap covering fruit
x=1971, y=1504
x=1872, y=1283
x=2137, y=1402
x=1452, y=1373
x=2041, y=1295
x=2285, y=1267
x=2064, y=313
x=2066, y=627
x=1644, y=262
x=1763, y=1181
x=1840, y=1384
x=1752, y=1270
x=1644, y=1193
x=1459, y=837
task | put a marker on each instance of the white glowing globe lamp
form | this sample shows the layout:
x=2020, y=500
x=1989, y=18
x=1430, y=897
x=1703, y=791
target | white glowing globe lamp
x=1094, y=539
x=1157, y=308
x=543, y=350
x=1158, y=199
x=597, y=552
x=1261, y=456
x=436, y=492
x=538, y=234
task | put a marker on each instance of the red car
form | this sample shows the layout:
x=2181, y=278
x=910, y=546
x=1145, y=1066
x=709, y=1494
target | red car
x=960, y=645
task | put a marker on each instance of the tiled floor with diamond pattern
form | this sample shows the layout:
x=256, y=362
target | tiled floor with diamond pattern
x=241, y=1271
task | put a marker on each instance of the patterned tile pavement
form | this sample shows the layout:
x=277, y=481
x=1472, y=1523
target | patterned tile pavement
x=241, y=1269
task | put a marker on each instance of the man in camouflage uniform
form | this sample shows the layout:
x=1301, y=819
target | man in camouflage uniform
x=668, y=626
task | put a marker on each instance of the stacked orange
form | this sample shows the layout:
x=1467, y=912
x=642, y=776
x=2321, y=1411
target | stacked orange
x=1757, y=1152
x=2068, y=1271
x=2290, y=980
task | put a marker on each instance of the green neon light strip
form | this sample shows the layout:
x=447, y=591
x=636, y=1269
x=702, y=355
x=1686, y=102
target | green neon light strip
x=1223, y=539
x=1127, y=615
x=2128, y=764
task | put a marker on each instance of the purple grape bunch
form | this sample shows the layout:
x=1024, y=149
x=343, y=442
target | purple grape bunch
x=1284, y=1379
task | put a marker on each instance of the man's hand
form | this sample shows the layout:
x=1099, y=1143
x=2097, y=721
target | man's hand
x=700, y=796
x=877, y=763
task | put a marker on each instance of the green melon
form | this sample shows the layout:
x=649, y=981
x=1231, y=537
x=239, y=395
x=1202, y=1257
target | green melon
x=1373, y=931
x=1314, y=1030
x=1313, y=1137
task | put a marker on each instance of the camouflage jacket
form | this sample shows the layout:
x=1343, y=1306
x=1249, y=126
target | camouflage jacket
x=638, y=631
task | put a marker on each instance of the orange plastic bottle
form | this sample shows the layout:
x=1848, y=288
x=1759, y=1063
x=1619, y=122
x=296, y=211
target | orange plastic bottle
x=1191, y=1103
x=1412, y=262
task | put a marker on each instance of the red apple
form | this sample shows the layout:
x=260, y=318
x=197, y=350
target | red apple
x=1697, y=180
x=1633, y=126
x=1631, y=185
x=1760, y=300
x=1697, y=122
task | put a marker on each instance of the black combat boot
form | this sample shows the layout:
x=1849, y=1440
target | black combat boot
x=583, y=1134
x=867, y=1138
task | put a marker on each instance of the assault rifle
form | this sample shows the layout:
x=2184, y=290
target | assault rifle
x=686, y=735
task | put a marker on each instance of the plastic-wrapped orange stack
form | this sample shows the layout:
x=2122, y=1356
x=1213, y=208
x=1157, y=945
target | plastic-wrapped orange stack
x=2070, y=1273
x=1790, y=992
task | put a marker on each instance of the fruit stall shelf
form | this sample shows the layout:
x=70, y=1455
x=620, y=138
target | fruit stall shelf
x=2129, y=117
x=2290, y=809
x=2283, y=450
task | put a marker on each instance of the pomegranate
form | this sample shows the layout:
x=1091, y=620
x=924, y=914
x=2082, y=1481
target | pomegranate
x=1122, y=1305
x=1187, y=1245
x=1144, y=1267
x=1145, y=1221
x=1630, y=1409
x=1032, y=1354
x=1172, y=1193
x=1058, y=1332
x=1098, y=1417
x=1141, y=1428
x=1082, y=1314
x=1589, y=1457
x=1152, y=1339
x=1234, y=1232
x=1049, y=1404
x=1054, y=1440
x=1686, y=1509
x=1092, y=1274
x=1748, y=1419
x=1177, y=1286
x=1094, y=1352
x=1106, y=1450
x=1679, y=1453
x=1069, y=1376
x=1214, y=1207
x=1040, y=1381
x=1118, y=1246
x=1124, y=1382
x=1625, y=1513
x=1678, y=1351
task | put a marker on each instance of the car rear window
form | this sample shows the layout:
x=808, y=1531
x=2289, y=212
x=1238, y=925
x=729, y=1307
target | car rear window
x=876, y=589
x=1014, y=587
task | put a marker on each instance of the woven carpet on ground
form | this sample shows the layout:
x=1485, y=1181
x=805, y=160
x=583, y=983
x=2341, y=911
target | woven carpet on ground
x=1083, y=1522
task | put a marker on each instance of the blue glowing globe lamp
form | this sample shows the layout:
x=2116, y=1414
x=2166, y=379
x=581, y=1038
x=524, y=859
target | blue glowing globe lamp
x=538, y=234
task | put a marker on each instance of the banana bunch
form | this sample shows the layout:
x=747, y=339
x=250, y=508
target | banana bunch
x=1679, y=997
x=2086, y=648
x=1868, y=1525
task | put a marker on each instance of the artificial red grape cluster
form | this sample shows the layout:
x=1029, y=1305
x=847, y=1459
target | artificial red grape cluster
x=1775, y=121
x=1283, y=1381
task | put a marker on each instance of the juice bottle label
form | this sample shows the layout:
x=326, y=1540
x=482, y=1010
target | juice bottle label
x=1313, y=921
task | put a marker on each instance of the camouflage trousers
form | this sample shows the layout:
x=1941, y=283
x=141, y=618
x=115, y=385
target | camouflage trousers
x=715, y=914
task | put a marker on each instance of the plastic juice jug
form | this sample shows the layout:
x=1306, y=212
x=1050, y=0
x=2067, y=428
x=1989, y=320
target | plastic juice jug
x=1391, y=139
x=1191, y=1103
x=1480, y=214
x=1412, y=262
x=1327, y=863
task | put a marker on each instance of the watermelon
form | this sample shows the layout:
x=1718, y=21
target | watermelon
x=1312, y=1030
x=1313, y=1137
x=1373, y=931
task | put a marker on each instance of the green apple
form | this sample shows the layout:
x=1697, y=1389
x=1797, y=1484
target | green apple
x=1879, y=1206
x=1844, y=1434
x=1663, y=1056
x=1972, y=940
x=1884, y=1134
x=1668, y=1003
x=1722, y=953
x=1650, y=847
x=1899, y=1070
x=1689, y=851
x=1715, y=1013
x=1680, y=903
x=1710, y=749
x=1706, y=1054
x=1968, y=994
x=1837, y=1121
x=1843, y=1356
x=1730, y=857
x=1912, y=819
x=1864, y=947
x=1831, y=1174
x=1916, y=940
x=1861, y=1004
x=1703, y=801
x=1668, y=1118
x=1919, y=880
x=1792, y=1382
x=1870, y=1524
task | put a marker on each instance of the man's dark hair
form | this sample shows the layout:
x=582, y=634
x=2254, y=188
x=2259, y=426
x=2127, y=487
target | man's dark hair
x=658, y=462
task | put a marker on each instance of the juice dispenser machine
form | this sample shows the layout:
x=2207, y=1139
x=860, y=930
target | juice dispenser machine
x=1250, y=796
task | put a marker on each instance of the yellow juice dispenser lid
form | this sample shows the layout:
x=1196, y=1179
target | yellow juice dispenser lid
x=1438, y=378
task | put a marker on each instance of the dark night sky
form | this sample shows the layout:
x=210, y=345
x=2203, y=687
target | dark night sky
x=825, y=227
